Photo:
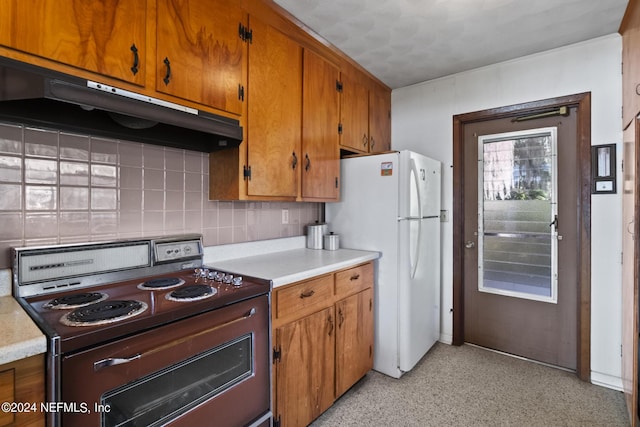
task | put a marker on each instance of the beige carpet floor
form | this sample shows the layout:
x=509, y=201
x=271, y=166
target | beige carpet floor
x=471, y=386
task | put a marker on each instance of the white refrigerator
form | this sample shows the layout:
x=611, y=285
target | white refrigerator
x=391, y=203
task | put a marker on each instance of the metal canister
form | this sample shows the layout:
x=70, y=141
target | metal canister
x=314, y=235
x=331, y=241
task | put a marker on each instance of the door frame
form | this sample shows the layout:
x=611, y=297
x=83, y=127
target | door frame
x=583, y=217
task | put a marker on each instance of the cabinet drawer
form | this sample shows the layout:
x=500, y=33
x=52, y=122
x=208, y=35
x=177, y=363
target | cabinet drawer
x=354, y=280
x=305, y=297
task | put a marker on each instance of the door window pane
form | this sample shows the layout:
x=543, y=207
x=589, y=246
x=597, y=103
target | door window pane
x=517, y=211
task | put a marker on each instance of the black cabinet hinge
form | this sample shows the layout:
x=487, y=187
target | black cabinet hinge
x=276, y=422
x=277, y=352
x=339, y=86
x=245, y=33
x=247, y=173
x=241, y=92
x=340, y=128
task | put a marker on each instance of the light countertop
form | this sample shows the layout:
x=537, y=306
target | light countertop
x=19, y=336
x=283, y=261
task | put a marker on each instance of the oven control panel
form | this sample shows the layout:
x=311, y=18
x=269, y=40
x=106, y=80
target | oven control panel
x=173, y=251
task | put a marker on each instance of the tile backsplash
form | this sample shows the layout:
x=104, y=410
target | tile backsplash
x=57, y=187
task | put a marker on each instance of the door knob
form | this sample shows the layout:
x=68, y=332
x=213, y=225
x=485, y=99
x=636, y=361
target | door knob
x=469, y=244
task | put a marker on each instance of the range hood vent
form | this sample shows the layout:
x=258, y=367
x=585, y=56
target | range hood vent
x=41, y=97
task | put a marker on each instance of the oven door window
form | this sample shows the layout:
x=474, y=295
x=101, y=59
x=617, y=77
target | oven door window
x=165, y=395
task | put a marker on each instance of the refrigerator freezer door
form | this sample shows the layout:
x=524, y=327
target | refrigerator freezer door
x=429, y=174
x=423, y=175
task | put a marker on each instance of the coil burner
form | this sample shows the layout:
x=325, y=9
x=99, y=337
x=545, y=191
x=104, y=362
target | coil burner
x=72, y=301
x=103, y=312
x=161, y=283
x=192, y=293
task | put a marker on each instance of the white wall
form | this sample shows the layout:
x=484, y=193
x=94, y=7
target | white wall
x=422, y=122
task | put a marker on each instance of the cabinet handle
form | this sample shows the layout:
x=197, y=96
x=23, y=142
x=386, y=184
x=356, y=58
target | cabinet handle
x=341, y=318
x=364, y=140
x=307, y=166
x=167, y=76
x=354, y=277
x=330, y=325
x=294, y=163
x=136, y=59
x=373, y=143
x=307, y=294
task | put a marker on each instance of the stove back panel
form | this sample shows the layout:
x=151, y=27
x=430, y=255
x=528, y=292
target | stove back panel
x=53, y=269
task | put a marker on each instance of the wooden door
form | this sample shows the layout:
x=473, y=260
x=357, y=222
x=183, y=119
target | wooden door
x=379, y=120
x=354, y=339
x=305, y=371
x=274, y=117
x=105, y=37
x=320, y=139
x=354, y=114
x=200, y=54
x=521, y=284
x=630, y=210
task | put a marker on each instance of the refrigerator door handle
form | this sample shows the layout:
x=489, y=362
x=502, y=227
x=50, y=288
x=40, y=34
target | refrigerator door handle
x=416, y=255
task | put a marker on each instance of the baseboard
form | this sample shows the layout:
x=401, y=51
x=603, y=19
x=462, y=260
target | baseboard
x=446, y=338
x=608, y=381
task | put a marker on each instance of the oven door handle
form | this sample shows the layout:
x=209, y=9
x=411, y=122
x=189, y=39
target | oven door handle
x=112, y=361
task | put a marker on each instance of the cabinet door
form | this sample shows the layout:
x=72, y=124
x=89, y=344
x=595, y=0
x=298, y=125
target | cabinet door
x=320, y=139
x=630, y=30
x=200, y=54
x=354, y=339
x=379, y=120
x=105, y=37
x=354, y=114
x=305, y=371
x=274, y=115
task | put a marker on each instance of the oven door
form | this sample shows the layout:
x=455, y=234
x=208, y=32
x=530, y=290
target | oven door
x=211, y=369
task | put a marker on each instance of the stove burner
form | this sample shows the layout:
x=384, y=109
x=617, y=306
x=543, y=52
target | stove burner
x=68, y=302
x=161, y=283
x=192, y=293
x=103, y=312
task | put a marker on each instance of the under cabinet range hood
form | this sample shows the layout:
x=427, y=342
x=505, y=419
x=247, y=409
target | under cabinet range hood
x=41, y=97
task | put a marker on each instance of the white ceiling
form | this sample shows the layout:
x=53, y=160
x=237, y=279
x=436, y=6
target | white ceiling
x=402, y=42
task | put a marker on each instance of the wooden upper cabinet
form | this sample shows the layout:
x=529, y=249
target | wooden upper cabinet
x=200, y=52
x=106, y=37
x=630, y=30
x=354, y=114
x=320, y=138
x=365, y=118
x=274, y=115
x=379, y=120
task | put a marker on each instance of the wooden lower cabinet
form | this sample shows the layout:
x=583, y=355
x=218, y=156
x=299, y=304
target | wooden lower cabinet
x=354, y=339
x=323, y=342
x=22, y=384
x=306, y=366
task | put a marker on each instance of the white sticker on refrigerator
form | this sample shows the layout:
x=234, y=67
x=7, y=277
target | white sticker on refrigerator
x=386, y=168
